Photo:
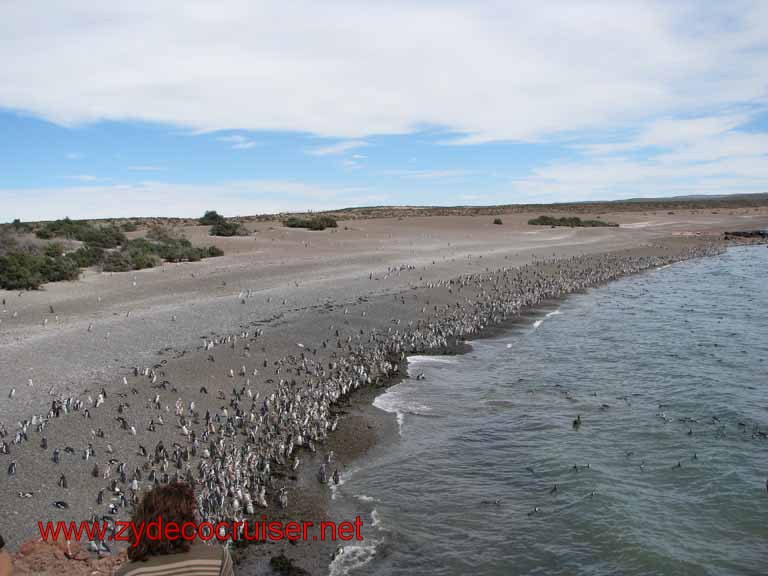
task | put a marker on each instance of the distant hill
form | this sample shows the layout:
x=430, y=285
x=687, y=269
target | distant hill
x=692, y=202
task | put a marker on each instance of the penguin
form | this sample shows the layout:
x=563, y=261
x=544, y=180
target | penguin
x=12, y=468
x=577, y=422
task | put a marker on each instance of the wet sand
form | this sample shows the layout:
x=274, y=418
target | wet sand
x=292, y=284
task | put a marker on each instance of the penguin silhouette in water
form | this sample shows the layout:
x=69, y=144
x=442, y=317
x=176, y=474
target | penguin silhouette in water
x=577, y=422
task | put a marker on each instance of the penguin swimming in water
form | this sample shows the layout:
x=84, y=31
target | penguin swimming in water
x=577, y=422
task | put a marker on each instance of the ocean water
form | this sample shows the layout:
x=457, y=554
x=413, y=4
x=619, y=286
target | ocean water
x=666, y=474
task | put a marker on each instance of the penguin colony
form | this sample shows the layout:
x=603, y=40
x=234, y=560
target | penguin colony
x=240, y=455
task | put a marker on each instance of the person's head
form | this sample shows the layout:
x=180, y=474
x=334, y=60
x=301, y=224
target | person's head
x=173, y=502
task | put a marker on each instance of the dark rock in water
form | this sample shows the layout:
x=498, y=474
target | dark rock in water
x=283, y=565
x=747, y=234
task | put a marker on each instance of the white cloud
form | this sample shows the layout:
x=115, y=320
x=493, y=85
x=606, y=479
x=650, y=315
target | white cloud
x=146, y=168
x=429, y=174
x=337, y=149
x=705, y=155
x=73, y=156
x=498, y=70
x=84, y=178
x=238, y=141
x=175, y=200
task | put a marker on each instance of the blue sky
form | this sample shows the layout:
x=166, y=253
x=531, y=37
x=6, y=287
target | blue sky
x=173, y=108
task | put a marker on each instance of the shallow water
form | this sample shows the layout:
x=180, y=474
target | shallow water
x=668, y=372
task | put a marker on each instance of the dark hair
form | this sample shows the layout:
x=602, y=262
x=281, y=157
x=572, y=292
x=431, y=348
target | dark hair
x=174, y=502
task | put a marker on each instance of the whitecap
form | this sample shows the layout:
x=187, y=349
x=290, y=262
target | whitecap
x=537, y=324
x=393, y=401
x=555, y=313
x=343, y=477
x=420, y=359
x=354, y=557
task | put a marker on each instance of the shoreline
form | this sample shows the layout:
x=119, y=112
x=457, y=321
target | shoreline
x=361, y=403
x=314, y=501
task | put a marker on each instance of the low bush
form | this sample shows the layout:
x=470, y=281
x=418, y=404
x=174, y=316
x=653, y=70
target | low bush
x=102, y=236
x=20, y=227
x=54, y=250
x=143, y=253
x=227, y=228
x=28, y=267
x=211, y=217
x=498, y=221
x=314, y=223
x=87, y=256
x=571, y=221
x=116, y=262
x=28, y=271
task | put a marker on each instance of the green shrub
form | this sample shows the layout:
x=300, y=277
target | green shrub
x=163, y=233
x=211, y=217
x=19, y=271
x=54, y=249
x=572, y=221
x=170, y=250
x=103, y=236
x=116, y=262
x=139, y=261
x=59, y=269
x=87, y=256
x=28, y=271
x=315, y=223
x=225, y=228
x=7, y=241
x=20, y=227
x=129, y=227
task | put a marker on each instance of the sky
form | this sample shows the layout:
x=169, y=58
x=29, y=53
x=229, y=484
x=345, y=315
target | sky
x=146, y=108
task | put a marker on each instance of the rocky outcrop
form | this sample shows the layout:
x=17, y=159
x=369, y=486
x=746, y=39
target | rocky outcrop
x=62, y=559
